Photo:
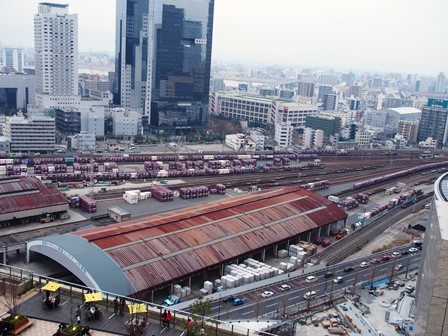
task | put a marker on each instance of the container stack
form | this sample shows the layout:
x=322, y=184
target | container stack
x=87, y=204
x=144, y=195
x=277, y=162
x=110, y=166
x=74, y=202
x=151, y=165
x=349, y=203
x=362, y=198
x=132, y=196
x=193, y=192
x=162, y=194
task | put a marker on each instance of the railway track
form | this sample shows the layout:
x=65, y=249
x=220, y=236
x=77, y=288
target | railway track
x=273, y=178
x=344, y=247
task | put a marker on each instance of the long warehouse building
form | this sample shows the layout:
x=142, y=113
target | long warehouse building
x=153, y=253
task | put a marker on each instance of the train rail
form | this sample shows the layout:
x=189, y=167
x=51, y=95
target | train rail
x=348, y=245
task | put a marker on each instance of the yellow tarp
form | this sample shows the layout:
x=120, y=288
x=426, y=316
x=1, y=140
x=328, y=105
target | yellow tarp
x=93, y=297
x=137, y=308
x=51, y=286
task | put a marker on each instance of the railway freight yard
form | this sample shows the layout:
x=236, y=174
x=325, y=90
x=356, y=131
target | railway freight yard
x=256, y=235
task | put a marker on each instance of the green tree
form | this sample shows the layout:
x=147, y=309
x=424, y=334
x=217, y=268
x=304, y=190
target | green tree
x=139, y=139
x=199, y=308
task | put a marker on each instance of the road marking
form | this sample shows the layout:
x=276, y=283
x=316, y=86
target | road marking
x=249, y=312
x=274, y=304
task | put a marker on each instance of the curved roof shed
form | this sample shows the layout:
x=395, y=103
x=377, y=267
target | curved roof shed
x=152, y=251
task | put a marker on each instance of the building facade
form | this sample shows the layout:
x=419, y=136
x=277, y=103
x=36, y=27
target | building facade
x=68, y=121
x=330, y=102
x=56, y=48
x=328, y=124
x=292, y=113
x=434, y=122
x=362, y=139
x=125, y=123
x=34, y=134
x=408, y=129
x=163, y=57
x=17, y=91
x=432, y=289
x=313, y=139
x=283, y=134
x=83, y=142
x=305, y=89
x=323, y=89
x=234, y=106
x=92, y=120
x=13, y=58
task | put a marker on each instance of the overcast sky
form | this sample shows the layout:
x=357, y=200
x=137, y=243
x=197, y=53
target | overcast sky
x=384, y=35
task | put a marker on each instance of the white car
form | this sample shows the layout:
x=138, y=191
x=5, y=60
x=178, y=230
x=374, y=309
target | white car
x=396, y=254
x=413, y=250
x=364, y=264
x=309, y=295
x=267, y=294
x=284, y=288
x=311, y=278
x=338, y=279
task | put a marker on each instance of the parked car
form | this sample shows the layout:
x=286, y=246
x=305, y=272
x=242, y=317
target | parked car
x=396, y=254
x=375, y=261
x=404, y=252
x=237, y=301
x=348, y=269
x=311, y=278
x=266, y=294
x=409, y=289
x=285, y=288
x=385, y=258
x=364, y=264
x=338, y=280
x=413, y=250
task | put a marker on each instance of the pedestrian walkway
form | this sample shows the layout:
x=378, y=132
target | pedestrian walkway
x=109, y=324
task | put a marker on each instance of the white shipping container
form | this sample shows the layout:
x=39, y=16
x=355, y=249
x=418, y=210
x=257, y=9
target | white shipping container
x=183, y=293
x=187, y=290
x=177, y=288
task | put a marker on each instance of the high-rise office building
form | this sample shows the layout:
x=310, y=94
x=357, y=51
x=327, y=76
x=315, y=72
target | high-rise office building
x=13, y=58
x=305, y=89
x=434, y=122
x=163, y=56
x=323, y=89
x=440, y=84
x=330, y=101
x=56, y=48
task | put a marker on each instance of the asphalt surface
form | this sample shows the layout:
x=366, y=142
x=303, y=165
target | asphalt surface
x=255, y=305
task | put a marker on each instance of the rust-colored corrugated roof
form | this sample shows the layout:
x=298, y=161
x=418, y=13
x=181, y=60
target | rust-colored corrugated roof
x=25, y=193
x=158, y=249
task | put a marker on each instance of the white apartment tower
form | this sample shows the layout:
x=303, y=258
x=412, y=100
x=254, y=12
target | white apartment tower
x=56, y=48
x=283, y=134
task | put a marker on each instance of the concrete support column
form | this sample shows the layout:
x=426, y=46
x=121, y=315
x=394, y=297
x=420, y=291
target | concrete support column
x=263, y=255
x=276, y=251
x=309, y=237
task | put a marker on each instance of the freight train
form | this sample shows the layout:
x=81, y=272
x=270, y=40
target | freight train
x=401, y=173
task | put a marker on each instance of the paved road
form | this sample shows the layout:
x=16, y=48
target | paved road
x=255, y=305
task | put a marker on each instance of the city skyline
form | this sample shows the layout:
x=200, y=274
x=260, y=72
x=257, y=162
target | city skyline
x=377, y=35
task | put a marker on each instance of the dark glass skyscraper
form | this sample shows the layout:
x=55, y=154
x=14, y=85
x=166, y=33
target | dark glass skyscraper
x=163, y=50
